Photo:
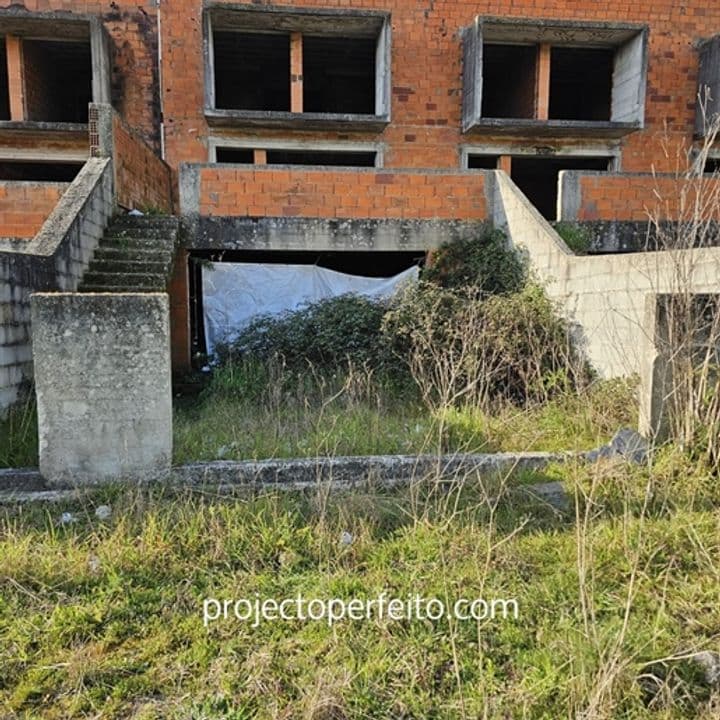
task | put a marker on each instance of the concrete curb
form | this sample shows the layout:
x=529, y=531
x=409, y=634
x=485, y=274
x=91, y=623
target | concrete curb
x=26, y=484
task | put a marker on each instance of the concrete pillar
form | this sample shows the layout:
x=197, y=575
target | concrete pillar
x=102, y=377
x=179, y=290
x=542, y=86
x=296, y=73
x=16, y=81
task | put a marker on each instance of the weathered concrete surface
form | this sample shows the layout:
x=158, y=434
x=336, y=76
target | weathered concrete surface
x=54, y=260
x=350, y=471
x=102, y=374
x=602, y=296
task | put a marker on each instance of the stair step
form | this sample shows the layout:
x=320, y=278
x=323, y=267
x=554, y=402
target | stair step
x=149, y=233
x=118, y=289
x=138, y=243
x=137, y=220
x=111, y=253
x=122, y=278
x=142, y=267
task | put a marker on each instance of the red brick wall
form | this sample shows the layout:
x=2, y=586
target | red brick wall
x=343, y=194
x=24, y=206
x=133, y=29
x=638, y=197
x=426, y=75
x=142, y=179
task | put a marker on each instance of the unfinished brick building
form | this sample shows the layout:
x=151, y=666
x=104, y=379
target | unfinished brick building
x=355, y=133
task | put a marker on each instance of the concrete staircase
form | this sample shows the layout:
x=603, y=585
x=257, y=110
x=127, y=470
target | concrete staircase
x=135, y=255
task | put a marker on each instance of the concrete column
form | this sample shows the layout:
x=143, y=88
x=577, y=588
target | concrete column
x=102, y=377
x=260, y=157
x=16, y=82
x=542, y=86
x=296, y=73
x=179, y=290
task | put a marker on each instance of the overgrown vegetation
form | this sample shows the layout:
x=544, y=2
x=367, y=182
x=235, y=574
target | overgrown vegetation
x=575, y=236
x=104, y=618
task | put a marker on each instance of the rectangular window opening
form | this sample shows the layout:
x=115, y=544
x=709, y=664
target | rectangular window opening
x=321, y=157
x=252, y=71
x=39, y=171
x=581, y=83
x=240, y=156
x=508, y=87
x=712, y=166
x=482, y=162
x=58, y=80
x=339, y=75
x=537, y=177
x=4, y=87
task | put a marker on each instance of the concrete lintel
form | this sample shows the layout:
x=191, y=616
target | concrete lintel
x=295, y=120
x=553, y=128
x=327, y=235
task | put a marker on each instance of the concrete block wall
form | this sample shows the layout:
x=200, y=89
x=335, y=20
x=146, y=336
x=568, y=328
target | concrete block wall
x=628, y=197
x=54, y=260
x=334, y=193
x=24, y=206
x=603, y=296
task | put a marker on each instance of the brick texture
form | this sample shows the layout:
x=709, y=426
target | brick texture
x=259, y=192
x=638, y=197
x=426, y=75
x=143, y=179
x=24, y=206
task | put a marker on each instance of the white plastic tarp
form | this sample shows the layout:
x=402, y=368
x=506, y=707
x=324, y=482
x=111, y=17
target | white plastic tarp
x=236, y=293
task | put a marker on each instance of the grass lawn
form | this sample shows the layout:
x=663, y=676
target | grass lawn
x=104, y=618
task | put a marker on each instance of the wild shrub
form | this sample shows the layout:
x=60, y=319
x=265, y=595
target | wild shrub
x=487, y=263
x=464, y=348
x=326, y=334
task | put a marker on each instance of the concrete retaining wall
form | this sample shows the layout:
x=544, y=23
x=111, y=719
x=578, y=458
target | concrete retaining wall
x=54, y=260
x=604, y=296
x=102, y=375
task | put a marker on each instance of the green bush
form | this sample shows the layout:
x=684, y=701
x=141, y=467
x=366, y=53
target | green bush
x=326, y=334
x=575, y=236
x=487, y=263
x=463, y=348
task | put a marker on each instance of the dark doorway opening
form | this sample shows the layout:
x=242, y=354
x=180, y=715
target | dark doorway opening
x=339, y=75
x=39, y=171
x=252, y=71
x=537, y=177
x=58, y=80
x=581, y=83
x=508, y=89
x=321, y=157
x=4, y=86
x=482, y=162
x=369, y=264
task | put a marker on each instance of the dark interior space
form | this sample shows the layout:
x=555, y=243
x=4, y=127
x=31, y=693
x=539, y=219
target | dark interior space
x=369, y=264
x=252, y=71
x=712, y=166
x=321, y=157
x=339, y=75
x=39, y=171
x=241, y=156
x=581, y=83
x=58, y=80
x=537, y=177
x=508, y=89
x=482, y=162
x=4, y=90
